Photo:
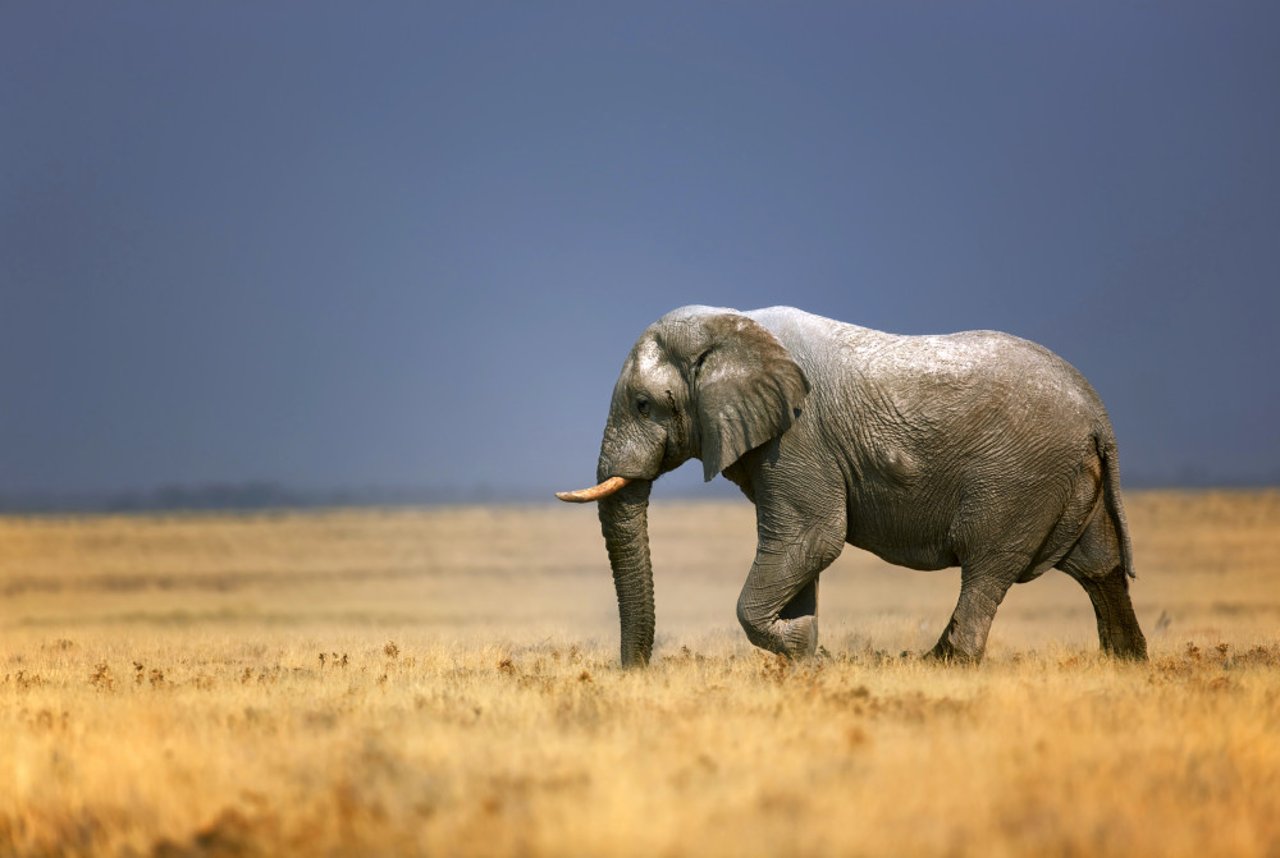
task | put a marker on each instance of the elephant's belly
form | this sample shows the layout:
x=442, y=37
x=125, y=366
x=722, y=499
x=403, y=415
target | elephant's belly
x=924, y=557
x=903, y=539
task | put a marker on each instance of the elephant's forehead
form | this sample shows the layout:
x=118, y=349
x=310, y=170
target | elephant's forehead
x=648, y=356
x=650, y=368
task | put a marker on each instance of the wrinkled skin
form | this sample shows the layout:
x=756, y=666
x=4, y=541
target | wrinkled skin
x=977, y=449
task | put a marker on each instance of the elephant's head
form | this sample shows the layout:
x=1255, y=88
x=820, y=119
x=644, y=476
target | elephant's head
x=701, y=382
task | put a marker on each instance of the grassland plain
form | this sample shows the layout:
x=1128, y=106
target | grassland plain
x=443, y=682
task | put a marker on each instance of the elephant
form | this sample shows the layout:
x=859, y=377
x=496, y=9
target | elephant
x=976, y=449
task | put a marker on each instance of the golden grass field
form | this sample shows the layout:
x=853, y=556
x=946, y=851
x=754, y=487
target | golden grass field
x=444, y=682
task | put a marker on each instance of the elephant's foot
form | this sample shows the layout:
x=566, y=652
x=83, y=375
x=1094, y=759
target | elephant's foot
x=795, y=638
x=959, y=644
x=947, y=652
x=1129, y=651
x=800, y=635
x=1124, y=642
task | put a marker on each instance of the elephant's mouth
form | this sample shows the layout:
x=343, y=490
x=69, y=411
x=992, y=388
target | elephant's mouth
x=603, y=490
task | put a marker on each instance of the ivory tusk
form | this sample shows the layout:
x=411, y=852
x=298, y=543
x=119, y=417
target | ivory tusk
x=603, y=490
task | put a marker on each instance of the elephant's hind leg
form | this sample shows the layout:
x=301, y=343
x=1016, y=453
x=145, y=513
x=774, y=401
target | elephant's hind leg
x=1118, y=630
x=1094, y=562
x=983, y=585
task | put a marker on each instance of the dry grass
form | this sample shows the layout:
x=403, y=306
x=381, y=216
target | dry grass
x=443, y=682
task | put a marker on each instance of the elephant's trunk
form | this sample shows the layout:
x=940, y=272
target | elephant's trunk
x=624, y=520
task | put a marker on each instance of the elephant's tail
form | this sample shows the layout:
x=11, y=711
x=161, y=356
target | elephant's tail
x=1106, y=446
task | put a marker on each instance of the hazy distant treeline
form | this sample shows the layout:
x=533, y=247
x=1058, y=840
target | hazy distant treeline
x=244, y=496
x=254, y=495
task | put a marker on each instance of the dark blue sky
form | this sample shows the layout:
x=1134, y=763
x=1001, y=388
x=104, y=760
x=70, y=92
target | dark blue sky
x=410, y=244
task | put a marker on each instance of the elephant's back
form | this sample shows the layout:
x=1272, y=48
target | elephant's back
x=972, y=379
x=935, y=380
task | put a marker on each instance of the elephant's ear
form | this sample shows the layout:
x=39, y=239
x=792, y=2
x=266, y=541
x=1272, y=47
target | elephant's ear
x=746, y=390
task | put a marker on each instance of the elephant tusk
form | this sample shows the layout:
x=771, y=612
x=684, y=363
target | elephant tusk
x=603, y=490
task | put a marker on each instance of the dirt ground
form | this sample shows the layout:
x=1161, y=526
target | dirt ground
x=444, y=681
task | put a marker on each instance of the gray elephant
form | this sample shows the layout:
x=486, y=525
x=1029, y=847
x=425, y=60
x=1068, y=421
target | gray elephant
x=978, y=449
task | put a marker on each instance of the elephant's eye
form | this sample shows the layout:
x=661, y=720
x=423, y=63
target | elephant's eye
x=642, y=405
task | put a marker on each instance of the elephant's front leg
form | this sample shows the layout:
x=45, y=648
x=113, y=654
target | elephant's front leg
x=778, y=606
